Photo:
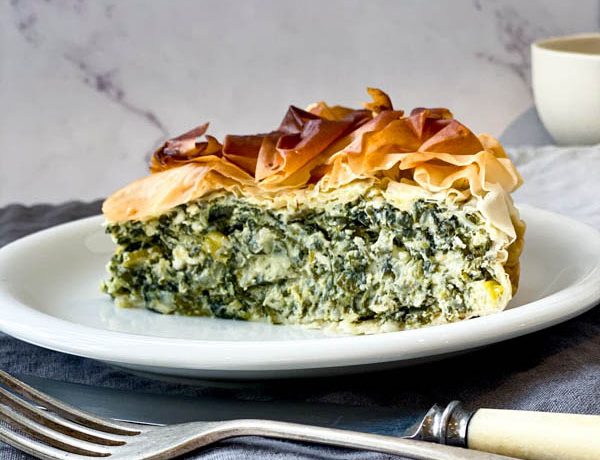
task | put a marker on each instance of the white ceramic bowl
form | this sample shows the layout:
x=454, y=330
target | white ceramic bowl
x=566, y=87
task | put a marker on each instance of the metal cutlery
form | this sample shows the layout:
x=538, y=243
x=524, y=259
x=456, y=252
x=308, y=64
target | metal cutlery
x=64, y=432
x=519, y=434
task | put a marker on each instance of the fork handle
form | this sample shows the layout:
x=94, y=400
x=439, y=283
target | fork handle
x=535, y=435
x=409, y=448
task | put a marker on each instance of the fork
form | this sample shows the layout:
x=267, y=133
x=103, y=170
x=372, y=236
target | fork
x=60, y=431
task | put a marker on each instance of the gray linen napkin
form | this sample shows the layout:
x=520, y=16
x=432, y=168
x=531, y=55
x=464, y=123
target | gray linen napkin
x=557, y=369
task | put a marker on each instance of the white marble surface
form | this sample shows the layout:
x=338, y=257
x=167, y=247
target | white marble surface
x=88, y=88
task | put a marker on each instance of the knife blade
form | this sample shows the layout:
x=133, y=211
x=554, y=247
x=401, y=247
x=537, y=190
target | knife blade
x=151, y=408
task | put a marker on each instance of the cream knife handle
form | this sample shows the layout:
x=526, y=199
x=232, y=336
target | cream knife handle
x=535, y=435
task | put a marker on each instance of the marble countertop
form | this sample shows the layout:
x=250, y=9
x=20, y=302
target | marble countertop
x=91, y=88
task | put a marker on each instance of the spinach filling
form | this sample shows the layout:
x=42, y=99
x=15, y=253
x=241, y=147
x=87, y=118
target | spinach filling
x=353, y=262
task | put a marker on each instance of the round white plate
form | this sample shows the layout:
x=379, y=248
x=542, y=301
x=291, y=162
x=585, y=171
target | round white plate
x=49, y=296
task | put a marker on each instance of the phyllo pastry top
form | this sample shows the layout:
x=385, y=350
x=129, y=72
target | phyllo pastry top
x=325, y=148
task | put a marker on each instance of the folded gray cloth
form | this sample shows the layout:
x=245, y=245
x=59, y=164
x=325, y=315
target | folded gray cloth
x=557, y=369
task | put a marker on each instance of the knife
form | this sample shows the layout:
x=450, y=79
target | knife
x=157, y=409
x=520, y=434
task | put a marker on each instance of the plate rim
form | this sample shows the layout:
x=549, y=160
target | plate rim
x=33, y=326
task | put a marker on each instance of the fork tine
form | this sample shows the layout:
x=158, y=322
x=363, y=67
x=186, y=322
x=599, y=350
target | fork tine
x=58, y=423
x=51, y=437
x=65, y=410
x=34, y=448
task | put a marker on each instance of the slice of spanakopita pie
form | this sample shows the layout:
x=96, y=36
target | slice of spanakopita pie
x=363, y=220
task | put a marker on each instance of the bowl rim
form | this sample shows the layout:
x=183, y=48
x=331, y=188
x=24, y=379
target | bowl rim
x=541, y=45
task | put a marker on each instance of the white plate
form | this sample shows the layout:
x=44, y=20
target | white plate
x=49, y=296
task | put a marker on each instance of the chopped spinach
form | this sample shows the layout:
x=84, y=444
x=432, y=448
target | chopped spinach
x=362, y=260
